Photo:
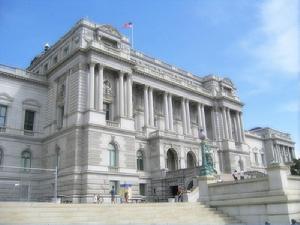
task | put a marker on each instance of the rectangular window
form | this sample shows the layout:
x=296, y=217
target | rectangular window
x=255, y=158
x=29, y=120
x=262, y=159
x=60, y=119
x=3, y=111
x=106, y=107
x=143, y=189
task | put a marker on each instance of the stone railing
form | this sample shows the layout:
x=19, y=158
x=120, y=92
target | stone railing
x=22, y=73
x=112, y=123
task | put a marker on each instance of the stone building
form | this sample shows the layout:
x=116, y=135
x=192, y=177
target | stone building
x=107, y=115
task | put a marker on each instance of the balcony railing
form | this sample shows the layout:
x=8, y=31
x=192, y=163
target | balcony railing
x=112, y=123
x=113, y=169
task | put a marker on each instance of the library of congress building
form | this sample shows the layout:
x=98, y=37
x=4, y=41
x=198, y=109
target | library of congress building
x=107, y=115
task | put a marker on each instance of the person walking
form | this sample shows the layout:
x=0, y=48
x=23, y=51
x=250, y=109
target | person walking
x=234, y=174
x=180, y=194
x=112, y=194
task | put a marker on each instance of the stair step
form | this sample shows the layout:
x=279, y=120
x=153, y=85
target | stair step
x=142, y=213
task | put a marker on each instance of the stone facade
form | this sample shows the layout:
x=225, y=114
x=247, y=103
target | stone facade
x=97, y=103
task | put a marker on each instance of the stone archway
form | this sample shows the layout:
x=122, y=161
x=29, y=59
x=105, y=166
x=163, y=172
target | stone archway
x=172, y=160
x=191, y=160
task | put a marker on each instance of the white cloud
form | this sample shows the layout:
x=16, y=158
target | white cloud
x=274, y=43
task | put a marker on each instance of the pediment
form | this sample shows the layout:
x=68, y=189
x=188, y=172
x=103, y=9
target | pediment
x=31, y=102
x=5, y=99
x=109, y=29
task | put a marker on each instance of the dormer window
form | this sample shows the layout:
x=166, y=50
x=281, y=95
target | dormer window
x=109, y=42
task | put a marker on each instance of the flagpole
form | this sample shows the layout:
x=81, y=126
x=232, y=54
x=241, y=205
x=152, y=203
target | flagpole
x=132, y=36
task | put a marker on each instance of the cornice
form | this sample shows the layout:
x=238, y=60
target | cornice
x=27, y=79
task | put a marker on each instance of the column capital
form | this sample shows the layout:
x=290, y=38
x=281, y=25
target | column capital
x=146, y=86
x=121, y=73
x=92, y=63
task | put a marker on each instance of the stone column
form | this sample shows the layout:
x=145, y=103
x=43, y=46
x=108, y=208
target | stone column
x=242, y=126
x=213, y=121
x=92, y=86
x=121, y=99
x=129, y=95
x=170, y=112
x=67, y=85
x=203, y=119
x=188, y=117
x=229, y=124
x=225, y=124
x=235, y=128
x=239, y=129
x=166, y=111
x=183, y=116
x=200, y=125
x=151, y=110
x=100, y=85
x=146, y=110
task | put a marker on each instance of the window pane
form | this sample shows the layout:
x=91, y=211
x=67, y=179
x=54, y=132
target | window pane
x=29, y=120
x=3, y=110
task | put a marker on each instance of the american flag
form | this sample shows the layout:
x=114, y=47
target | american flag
x=128, y=25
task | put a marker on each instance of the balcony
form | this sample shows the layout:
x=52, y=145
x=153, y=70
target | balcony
x=110, y=123
x=113, y=169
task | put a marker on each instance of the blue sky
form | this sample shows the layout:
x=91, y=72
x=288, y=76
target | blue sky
x=253, y=42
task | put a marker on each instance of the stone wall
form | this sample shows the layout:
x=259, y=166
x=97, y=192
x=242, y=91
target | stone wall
x=274, y=198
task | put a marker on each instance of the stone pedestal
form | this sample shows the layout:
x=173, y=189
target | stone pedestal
x=93, y=117
x=277, y=174
x=203, y=182
x=127, y=123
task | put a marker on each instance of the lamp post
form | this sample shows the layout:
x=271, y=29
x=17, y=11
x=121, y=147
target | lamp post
x=206, y=167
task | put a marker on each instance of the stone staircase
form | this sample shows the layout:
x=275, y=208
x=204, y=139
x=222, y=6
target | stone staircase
x=141, y=213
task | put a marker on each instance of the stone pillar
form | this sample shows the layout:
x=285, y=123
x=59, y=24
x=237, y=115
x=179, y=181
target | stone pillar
x=229, y=124
x=242, y=126
x=129, y=95
x=146, y=110
x=203, y=119
x=170, y=112
x=200, y=125
x=183, y=116
x=225, y=124
x=100, y=85
x=213, y=121
x=203, y=182
x=151, y=110
x=91, y=99
x=67, y=85
x=166, y=111
x=121, y=99
x=239, y=129
x=235, y=128
x=188, y=117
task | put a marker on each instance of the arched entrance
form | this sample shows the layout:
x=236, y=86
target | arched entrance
x=172, y=160
x=191, y=159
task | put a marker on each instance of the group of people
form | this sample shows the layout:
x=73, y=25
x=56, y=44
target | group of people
x=241, y=174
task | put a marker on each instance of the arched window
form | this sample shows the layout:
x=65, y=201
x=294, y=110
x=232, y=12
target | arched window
x=26, y=159
x=172, y=160
x=140, y=160
x=1, y=156
x=112, y=155
x=191, y=160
